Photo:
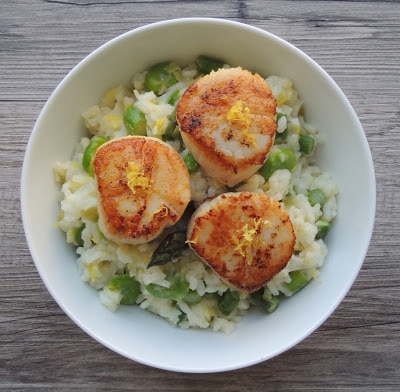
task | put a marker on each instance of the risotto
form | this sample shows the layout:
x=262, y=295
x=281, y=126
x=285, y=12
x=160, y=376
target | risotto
x=183, y=289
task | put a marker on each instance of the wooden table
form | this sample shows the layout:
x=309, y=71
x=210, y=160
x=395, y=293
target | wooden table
x=357, y=349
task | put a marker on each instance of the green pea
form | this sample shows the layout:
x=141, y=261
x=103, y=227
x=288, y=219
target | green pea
x=306, y=144
x=323, y=229
x=190, y=162
x=135, y=121
x=272, y=304
x=78, y=235
x=298, y=279
x=278, y=159
x=179, y=288
x=162, y=76
x=228, y=302
x=128, y=287
x=207, y=64
x=316, y=196
x=90, y=152
x=268, y=303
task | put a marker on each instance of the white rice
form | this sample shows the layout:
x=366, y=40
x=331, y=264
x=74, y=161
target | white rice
x=99, y=260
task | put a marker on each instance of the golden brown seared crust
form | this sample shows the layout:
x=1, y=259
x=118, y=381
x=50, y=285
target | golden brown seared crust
x=227, y=121
x=247, y=238
x=143, y=187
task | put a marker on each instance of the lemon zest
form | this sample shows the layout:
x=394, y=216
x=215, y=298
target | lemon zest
x=136, y=178
x=239, y=116
x=244, y=242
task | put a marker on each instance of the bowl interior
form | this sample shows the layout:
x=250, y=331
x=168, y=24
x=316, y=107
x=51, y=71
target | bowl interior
x=142, y=336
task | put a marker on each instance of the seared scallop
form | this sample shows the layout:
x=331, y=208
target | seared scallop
x=245, y=237
x=143, y=186
x=227, y=120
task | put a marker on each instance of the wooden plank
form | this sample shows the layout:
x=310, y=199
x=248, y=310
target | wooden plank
x=357, y=42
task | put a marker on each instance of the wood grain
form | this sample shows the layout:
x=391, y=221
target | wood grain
x=356, y=349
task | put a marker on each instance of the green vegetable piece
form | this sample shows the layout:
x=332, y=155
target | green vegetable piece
x=135, y=121
x=228, y=302
x=172, y=132
x=128, y=287
x=281, y=136
x=278, y=158
x=171, y=248
x=256, y=298
x=316, y=196
x=178, y=290
x=298, y=279
x=172, y=116
x=272, y=304
x=174, y=97
x=323, y=229
x=90, y=152
x=192, y=298
x=78, y=235
x=306, y=144
x=159, y=291
x=207, y=64
x=190, y=162
x=182, y=318
x=269, y=304
x=279, y=115
x=162, y=76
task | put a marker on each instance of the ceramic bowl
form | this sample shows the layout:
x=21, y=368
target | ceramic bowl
x=142, y=336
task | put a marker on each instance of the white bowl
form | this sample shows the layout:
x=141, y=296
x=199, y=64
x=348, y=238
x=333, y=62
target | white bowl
x=133, y=332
